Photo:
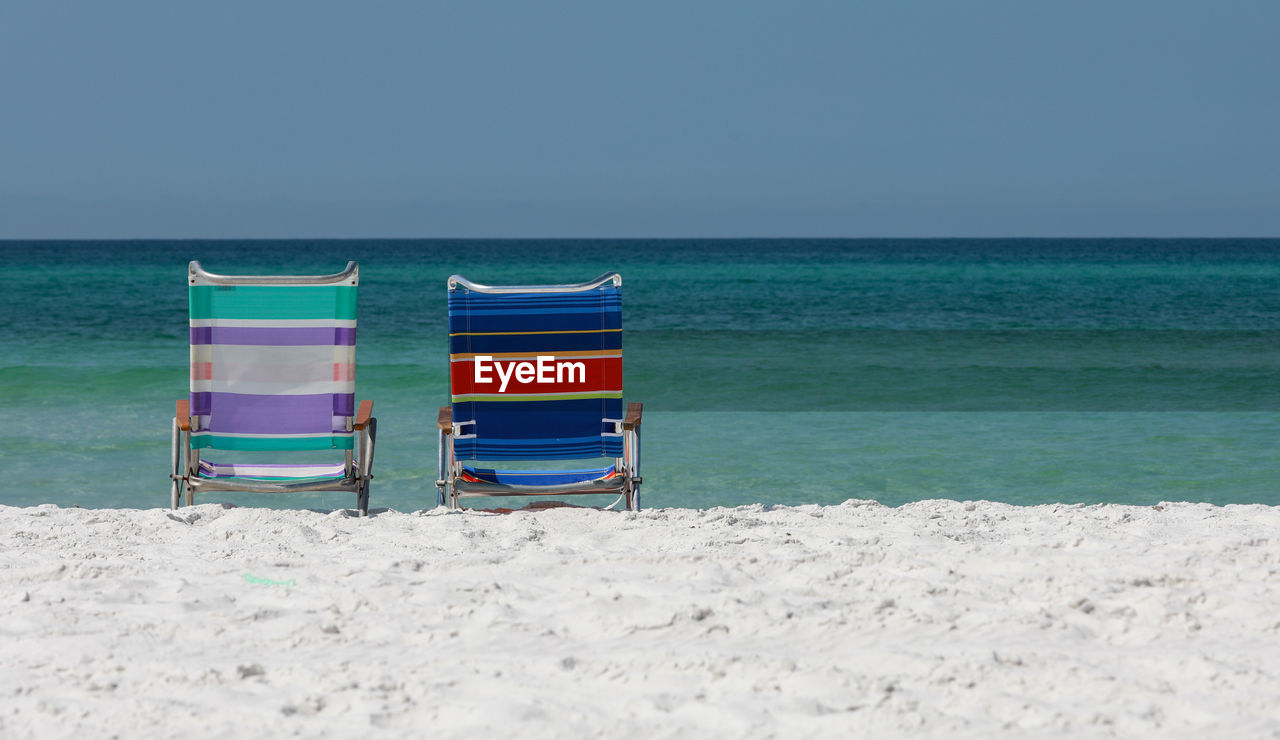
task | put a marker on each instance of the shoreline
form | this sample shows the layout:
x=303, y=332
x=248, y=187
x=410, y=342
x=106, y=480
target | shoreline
x=934, y=617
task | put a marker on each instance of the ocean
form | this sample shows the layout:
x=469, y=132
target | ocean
x=788, y=371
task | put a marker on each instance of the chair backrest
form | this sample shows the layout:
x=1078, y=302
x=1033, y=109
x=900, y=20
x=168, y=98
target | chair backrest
x=536, y=371
x=272, y=360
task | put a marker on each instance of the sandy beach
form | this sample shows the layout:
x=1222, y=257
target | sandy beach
x=938, y=618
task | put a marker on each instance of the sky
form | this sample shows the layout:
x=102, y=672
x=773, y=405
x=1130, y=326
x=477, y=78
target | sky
x=467, y=118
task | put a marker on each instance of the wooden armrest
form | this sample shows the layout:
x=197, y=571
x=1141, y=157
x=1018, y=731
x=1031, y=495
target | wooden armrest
x=632, y=420
x=183, y=414
x=363, y=414
x=444, y=419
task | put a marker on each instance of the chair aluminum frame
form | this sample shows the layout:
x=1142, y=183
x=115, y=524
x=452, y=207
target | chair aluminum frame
x=449, y=484
x=185, y=461
x=452, y=489
x=357, y=477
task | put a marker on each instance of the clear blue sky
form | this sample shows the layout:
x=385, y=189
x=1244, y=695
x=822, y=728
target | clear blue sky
x=576, y=119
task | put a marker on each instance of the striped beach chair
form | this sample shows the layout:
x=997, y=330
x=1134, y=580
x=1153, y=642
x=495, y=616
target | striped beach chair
x=536, y=375
x=272, y=377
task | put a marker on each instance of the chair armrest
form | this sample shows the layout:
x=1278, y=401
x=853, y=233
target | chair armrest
x=444, y=419
x=183, y=414
x=634, y=411
x=363, y=414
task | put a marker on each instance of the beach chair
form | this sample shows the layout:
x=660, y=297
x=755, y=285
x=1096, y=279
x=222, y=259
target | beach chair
x=272, y=404
x=536, y=375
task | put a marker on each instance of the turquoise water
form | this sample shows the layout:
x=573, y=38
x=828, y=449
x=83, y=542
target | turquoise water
x=775, y=371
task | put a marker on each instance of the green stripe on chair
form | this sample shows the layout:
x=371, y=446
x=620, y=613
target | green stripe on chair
x=273, y=302
x=335, y=442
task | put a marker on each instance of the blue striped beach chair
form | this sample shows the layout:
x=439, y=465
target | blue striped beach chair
x=273, y=376
x=536, y=375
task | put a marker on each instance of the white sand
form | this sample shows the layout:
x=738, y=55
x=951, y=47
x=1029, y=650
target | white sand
x=938, y=618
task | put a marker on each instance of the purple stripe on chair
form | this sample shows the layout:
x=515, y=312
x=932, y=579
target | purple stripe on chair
x=243, y=413
x=343, y=403
x=275, y=336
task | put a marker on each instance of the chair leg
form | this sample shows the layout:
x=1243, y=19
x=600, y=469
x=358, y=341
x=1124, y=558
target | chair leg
x=193, y=468
x=368, y=440
x=631, y=445
x=176, y=468
x=442, y=469
x=447, y=492
x=362, y=499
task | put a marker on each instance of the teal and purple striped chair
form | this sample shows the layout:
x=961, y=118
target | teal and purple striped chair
x=535, y=374
x=273, y=376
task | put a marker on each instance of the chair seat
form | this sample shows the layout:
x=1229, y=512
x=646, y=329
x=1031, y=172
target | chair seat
x=272, y=472
x=603, y=476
